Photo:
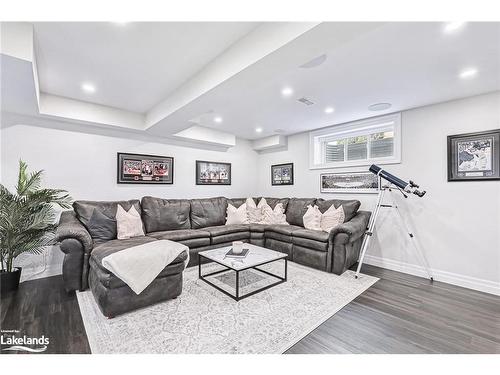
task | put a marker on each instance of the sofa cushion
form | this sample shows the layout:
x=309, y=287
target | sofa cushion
x=101, y=227
x=111, y=247
x=283, y=229
x=311, y=239
x=272, y=202
x=165, y=214
x=316, y=235
x=208, y=212
x=226, y=229
x=296, y=209
x=279, y=236
x=180, y=234
x=86, y=209
x=350, y=206
x=236, y=202
x=111, y=281
x=310, y=244
x=230, y=237
x=257, y=228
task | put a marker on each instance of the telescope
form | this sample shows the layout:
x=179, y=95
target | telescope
x=404, y=187
x=408, y=187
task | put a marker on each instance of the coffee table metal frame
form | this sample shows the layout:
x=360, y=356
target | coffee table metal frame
x=238, y=297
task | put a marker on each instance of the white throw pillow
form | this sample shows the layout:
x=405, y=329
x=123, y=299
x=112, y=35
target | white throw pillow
x=332, y=217
x=312, y=218
x=270, y=216
x=254, y=214
x=236, y=215
x=128, y=224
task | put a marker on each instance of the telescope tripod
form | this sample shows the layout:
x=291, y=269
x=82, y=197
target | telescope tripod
x=373, y=220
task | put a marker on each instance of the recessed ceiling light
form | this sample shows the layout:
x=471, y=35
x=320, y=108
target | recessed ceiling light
x=329, y=110
x=451, y=27
x=468, y=73
x=287, y=91
x=258, y=130
x=88, y=88
x=218, y=119
x=120, y=23
x=379, y=106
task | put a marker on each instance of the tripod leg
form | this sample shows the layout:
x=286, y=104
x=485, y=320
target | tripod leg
x=423, y=259
x=369, y=232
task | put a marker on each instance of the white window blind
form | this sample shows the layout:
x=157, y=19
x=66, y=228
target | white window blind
x=359, y=143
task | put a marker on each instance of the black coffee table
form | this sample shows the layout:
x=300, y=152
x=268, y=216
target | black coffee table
x=257, y=256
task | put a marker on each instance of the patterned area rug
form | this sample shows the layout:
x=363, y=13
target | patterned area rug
x=204, y=320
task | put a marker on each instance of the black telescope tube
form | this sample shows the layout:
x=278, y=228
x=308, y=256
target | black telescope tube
x=389, y=177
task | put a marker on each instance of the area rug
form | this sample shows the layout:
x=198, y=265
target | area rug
x=204, y=320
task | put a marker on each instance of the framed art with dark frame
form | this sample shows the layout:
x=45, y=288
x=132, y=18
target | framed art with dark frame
x=282, y=174
x=144, y=169
x=213, y=173
x=349, y=182
x=474, y=156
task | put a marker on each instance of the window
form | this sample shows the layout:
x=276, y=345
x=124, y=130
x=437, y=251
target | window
x=359, y=143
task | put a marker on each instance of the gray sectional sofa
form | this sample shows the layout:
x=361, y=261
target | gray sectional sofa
x=88, y=233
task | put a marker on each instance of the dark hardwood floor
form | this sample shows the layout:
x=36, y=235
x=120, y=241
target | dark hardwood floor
x=399, y=314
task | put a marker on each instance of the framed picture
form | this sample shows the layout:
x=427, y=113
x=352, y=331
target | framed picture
x=213, y=173
x=144, y=169
x=474, y=156
x=351, y=182
x=282, y=174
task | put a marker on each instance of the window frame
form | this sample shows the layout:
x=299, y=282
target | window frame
x=366, y=127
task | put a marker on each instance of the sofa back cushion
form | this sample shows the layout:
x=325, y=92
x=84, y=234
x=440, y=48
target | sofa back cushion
x=165, y=214
x=99, y=217
x=296, y=209
x=236, y=202
x=272, y=202
x=208, y=212
x=350, y=207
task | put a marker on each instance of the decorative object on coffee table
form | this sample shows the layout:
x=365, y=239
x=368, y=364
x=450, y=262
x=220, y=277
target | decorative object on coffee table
x=474, y=156
x=27, y=222
x=144, y=169
x=351, y=182
x=237, y=247
x=213, y=173
x=282, y=174
x=256, y=257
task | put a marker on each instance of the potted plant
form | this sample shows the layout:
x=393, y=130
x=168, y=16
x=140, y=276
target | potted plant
x=27, y=222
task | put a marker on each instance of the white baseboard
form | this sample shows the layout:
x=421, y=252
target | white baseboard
x=481, y=285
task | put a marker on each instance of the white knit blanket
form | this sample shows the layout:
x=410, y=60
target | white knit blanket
x=139, y=265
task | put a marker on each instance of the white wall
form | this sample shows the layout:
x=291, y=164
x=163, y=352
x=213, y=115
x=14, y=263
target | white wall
x=85, y=166
x=457, y=223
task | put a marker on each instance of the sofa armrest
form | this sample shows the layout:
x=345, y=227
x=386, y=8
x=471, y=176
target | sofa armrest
x=71, y=228
x=353, y=229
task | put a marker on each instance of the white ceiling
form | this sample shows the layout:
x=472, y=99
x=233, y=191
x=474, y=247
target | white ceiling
x=406, y=64
x=237, y=71
x=133, y=65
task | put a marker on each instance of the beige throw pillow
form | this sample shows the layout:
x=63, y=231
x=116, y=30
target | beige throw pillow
x=332, y=217
x=236, y=215
x=270, y=216
x=254, y=213
x=128, y=224
x=312, y=218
